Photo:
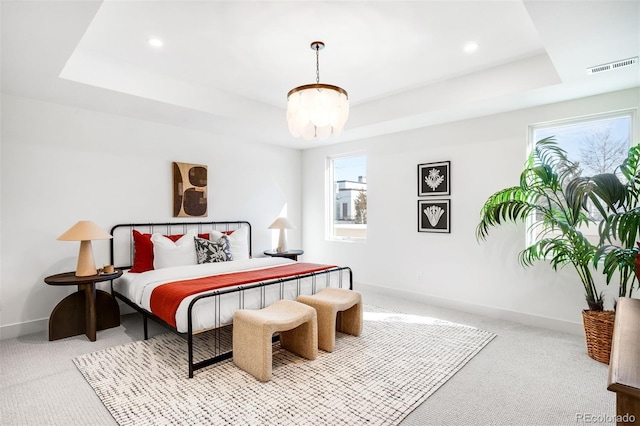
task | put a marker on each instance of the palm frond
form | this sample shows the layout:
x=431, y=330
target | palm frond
x=624, y=227
x=562, y=250
x=630, y=169
x=507, y=205
x=617, y=259
x=605, y=191
x=548, y=152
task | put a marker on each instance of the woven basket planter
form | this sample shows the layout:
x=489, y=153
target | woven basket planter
x=598, y=331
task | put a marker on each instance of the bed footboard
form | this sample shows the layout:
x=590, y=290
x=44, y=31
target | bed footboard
x=340, y=277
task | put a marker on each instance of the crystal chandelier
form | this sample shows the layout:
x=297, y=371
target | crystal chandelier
x=317, y=110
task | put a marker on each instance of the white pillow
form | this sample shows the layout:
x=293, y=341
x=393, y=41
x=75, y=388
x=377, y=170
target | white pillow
x=166, y=253
x=238, y=240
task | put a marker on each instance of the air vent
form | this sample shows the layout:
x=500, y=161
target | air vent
x=612, y=65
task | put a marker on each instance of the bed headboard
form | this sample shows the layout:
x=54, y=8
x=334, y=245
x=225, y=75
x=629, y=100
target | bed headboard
x=121, y=245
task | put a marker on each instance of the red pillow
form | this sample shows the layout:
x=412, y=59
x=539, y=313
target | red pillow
x=143, y=250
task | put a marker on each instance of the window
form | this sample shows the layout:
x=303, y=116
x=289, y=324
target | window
x=597, y=143
x=347, y=206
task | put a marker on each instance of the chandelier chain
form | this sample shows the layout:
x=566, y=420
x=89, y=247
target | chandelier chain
x=317, y=64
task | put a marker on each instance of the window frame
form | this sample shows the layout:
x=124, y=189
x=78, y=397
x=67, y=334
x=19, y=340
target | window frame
x=330, y=204
x=592, y=231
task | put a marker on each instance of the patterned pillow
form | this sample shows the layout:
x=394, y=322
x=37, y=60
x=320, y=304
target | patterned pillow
x=213, y=251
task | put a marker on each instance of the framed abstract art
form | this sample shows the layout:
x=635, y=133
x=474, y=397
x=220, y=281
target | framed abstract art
x=189, y=190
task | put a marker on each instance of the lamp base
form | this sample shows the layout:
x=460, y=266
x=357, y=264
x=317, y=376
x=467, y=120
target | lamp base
x=282, y=242
x=86, y=264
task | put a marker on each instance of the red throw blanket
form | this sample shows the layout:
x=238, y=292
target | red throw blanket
x=166, y=298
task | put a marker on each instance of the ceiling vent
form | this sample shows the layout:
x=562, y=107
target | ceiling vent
x=612, y=65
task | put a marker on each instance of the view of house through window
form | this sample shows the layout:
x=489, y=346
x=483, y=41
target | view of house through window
x=348, y=197
x=596, y=144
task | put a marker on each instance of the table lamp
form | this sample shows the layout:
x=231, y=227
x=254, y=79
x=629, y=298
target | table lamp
x=282, y=223
x=85, y=231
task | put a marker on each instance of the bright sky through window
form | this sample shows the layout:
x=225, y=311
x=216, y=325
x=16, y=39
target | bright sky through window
x=578, y=138
x=350, y=168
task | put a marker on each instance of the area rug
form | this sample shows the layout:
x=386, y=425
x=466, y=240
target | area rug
x=377, y=378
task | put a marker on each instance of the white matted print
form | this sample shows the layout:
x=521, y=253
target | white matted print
x=434, y=216
x=433, y=179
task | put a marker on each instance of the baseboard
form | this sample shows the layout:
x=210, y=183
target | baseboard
x=36, y=326
x=487, y=311
x=22, y=329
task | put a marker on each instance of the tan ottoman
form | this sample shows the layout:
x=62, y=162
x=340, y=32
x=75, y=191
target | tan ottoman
x=253, y=331
x=337, y=308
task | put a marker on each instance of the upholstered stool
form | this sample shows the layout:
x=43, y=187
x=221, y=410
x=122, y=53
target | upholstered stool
x=337, y=308
x=253, y=331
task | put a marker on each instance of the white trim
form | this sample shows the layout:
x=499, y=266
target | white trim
x=486, y=311
x=23, y=328
x=633, y=112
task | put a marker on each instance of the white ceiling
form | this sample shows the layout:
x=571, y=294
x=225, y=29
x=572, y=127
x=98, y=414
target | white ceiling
x=226, y=66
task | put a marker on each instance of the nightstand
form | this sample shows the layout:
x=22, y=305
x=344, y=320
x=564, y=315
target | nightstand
x=85, y=311
x=289, y=254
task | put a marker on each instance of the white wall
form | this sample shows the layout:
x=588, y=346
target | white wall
x=452, y=270
x=62, y=164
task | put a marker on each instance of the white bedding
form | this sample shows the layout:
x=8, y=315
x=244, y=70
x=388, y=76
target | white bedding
x=138, y=287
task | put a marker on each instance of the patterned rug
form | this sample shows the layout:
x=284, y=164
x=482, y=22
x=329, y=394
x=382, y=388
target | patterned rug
x=377, y=378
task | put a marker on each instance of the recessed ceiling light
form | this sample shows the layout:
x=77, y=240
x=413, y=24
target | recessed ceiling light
x=471, y=47
x=155, y=42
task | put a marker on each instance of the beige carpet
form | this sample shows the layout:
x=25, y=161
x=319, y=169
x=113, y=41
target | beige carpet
x=377, y=378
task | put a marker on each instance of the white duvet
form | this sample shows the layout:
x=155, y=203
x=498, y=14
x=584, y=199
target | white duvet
x=138, y=287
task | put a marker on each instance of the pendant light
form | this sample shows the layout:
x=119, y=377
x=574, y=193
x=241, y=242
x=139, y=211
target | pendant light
x=317, y=110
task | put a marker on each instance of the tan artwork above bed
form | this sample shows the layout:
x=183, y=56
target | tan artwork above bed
x=189, y=190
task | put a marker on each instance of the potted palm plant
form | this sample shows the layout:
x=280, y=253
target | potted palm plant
x=555, y=218
x=541, y=200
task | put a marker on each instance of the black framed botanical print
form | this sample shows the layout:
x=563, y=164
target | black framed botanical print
x=433, y=179
x=434, y=216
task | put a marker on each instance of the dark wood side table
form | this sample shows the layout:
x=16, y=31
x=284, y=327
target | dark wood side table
x=85, y=311
x=289, y=254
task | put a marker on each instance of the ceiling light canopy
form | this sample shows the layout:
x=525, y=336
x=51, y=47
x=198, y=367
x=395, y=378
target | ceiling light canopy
x=317, y=110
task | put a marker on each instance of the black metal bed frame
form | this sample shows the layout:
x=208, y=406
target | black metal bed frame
x=200, y=226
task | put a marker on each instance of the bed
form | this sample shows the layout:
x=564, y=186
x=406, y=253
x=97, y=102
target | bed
x=163, y=281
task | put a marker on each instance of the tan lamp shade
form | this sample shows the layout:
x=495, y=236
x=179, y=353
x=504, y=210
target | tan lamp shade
x=85, y=231
x=282, y=223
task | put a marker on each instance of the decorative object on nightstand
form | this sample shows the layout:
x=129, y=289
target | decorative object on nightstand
x=85, y=311
x=282, y=223
x=289, y=254
x=85, y=231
